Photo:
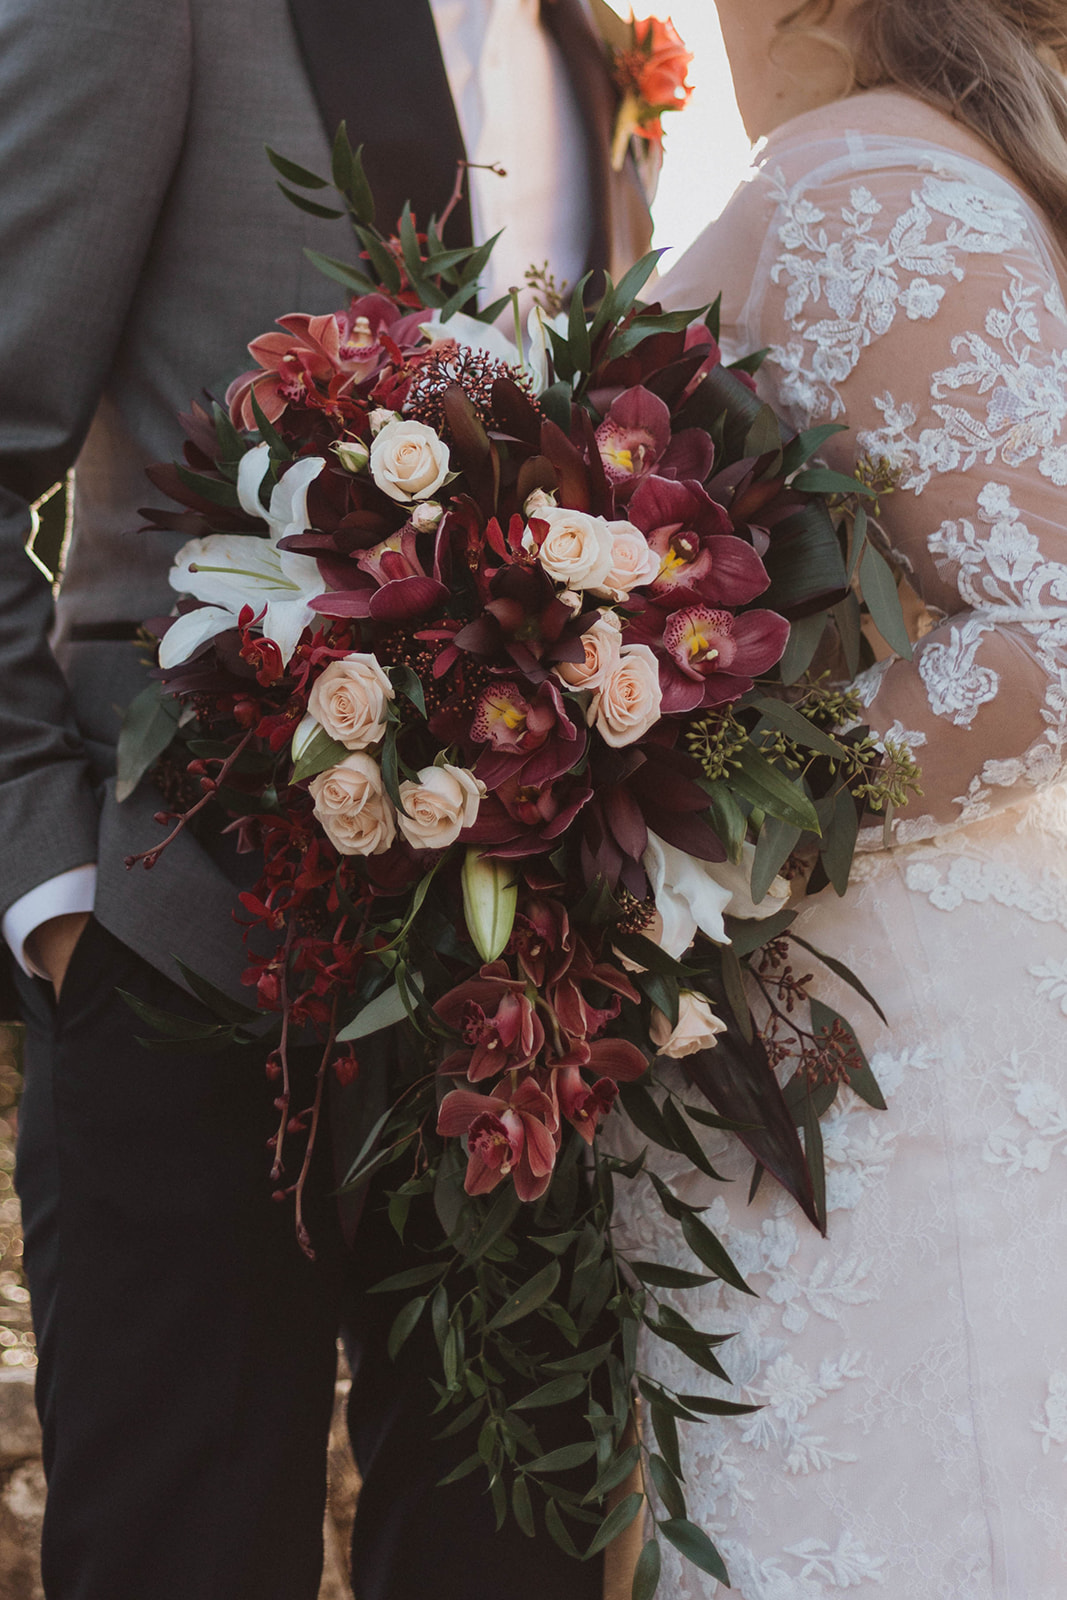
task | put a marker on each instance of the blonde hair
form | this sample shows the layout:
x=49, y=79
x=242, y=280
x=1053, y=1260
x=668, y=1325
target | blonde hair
x=993, y=65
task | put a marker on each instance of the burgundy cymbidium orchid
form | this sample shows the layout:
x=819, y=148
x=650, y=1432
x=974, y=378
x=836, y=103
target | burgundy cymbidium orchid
x=393, y=585
x=635, y=440
x=312, y=351
x=514, y=1135
x=700, y=557
x=711, y=657
x=529, y=735
x=497, y=1021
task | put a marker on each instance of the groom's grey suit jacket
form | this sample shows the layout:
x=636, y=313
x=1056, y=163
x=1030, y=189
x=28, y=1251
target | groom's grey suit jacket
x=143, y=243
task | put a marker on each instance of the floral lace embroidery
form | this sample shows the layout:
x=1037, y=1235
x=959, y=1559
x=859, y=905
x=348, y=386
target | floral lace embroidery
x=1052, y=1425
x=865, y=280
x=1025, y=407
x=969, y=878
x=1041, y=1131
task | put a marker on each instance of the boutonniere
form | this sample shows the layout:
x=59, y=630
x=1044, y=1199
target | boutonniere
x=649, y=63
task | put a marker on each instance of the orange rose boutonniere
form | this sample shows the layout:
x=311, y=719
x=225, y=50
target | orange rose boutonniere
x=650, y=70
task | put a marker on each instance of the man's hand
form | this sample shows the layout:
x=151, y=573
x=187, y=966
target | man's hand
x=51, y=946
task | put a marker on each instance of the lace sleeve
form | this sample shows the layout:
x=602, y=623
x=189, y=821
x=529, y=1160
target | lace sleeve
x=919, y=304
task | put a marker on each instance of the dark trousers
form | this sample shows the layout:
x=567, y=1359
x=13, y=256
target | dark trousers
x=187, y=1347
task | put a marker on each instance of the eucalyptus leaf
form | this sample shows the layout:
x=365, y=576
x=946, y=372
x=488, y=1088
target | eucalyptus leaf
x=805, y=636
x=330, y=213
x=341, y=272
x=616, y=1522
x=695, y=1545
x=667, y=1486
x=384, y=1011
x=883, y=601
x=647, y=1572
x=772, y=791
x=528, y=1298
x=150, y=723
x=294, y=172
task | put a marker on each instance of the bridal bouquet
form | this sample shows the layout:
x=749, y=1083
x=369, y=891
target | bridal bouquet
x=486, y=650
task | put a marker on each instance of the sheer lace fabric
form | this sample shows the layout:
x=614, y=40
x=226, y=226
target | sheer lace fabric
x=913, y=1367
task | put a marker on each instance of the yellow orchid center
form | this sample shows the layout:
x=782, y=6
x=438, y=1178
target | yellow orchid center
x=361, y=333
x=697, y=642
x=620, y=458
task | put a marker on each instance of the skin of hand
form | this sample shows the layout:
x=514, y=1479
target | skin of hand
x=778, y=75
x=51, y=946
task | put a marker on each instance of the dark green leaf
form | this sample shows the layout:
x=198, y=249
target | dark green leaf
x=646, y=1572
x=381, y=259
x=733, y=983
x=565, y=1459
x=557, y=1243
x=695, y=1545
x=632, y=282
x=813, y=1149
x=617, y=1471
x=215, y=490
x=859, y=540
x=408, y=683
x=775, y=844
x=805, y=563
x=367, y=1147
x=320, y=753
x=616, y=1522
x=384, y=1011
x=215, y=999
x=687, y=1141
x=807, y=444
x=312, y=207
x=708, y=1249
x=839, y=840
x=464, y=1470
x=843, y=972
x=404, y=1324
x=849, y=619
x=665, y=1427
x=413, y=1278
x=358, y=190
x=821, y=480
x=522, y=1507
x=150, y=723
x=661, y=1277
x=528, y=1297
x=752, y=362
x=558, y=1531
x=667, y=1486
x=753, y=933
x=656, y=1396
x=727, y=818
x=294, y=172
x=645, y=1114
x=662, y=992
x=772, y=791
x=764, y=435
x=169, y=1023
x=279, y=450
x=883, y=601
x=568, y=1387
x=805, y=636
x=716, y=1408
x=505, y=1207
x=578, y=329
x=796, y=726
x=347, y=276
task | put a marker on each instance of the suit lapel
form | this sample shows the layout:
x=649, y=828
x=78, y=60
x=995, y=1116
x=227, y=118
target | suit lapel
x=377, y=66
x=622, y=226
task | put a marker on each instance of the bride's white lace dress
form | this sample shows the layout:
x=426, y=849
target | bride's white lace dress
x=912, y=1368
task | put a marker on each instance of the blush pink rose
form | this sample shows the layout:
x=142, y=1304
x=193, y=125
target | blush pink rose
x=628, y=702
x=408, y=460
x=576, y=549
x=697, y=1027
x=602, y=644
x=356, y=814
x=443, y=802
x=349, y=701
x=633, y=561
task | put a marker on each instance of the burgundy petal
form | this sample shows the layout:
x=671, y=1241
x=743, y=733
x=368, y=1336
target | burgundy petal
x=761, y=638
x=407, y=597
x=691, y=454
x=737, y=573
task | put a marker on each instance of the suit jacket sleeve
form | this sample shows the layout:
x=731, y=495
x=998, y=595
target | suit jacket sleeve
x=93, y=100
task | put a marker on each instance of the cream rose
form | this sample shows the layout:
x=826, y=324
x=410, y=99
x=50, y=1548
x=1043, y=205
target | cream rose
x=408, y=460
x=602, y=644
x=443, y=802
x=356, y=814
x=697, y=1027
x=628, y=703
x=633, y=561
x=349, y=701
x=577, y=548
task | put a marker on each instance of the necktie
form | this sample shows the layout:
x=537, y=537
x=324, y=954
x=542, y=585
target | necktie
x=377, y=66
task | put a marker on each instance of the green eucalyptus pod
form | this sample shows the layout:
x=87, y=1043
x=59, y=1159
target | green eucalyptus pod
x=490, y=895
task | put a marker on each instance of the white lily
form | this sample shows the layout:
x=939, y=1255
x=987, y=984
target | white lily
x=232, y=570
x=687, y=894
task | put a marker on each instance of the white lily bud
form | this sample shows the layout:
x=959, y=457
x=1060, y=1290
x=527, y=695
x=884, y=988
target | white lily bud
x=490, y=896
x=305, y=732
x=426, y=515
x=353, y=454
x=381, y=418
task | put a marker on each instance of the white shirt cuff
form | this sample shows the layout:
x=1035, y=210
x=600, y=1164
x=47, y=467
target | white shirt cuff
x=70, y=892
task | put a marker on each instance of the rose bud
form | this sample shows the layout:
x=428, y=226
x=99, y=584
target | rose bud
x=697, y=1027
x=353, y=454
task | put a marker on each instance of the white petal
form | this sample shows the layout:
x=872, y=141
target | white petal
x=184, y=637
x=253, y=468
x=284, y=622
x=226, y=567
x=687, y=895
x=288, y=513
x=473, y=335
